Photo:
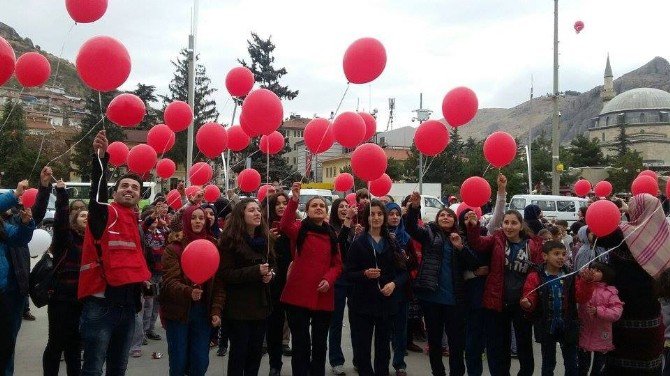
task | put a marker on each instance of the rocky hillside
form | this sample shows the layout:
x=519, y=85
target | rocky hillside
x=67, y=73
x=577, y=110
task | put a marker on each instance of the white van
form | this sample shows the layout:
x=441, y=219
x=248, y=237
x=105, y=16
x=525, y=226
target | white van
x=430, y=206
x=553, y=207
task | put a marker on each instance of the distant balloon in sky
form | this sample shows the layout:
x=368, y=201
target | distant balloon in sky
x=579, y=25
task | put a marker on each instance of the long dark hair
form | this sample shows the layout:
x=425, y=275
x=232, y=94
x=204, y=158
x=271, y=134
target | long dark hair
x=366, y=217
x=525, y=232
x=334, y=209
x=450, y=213
x=271, y=201
x=235, y=228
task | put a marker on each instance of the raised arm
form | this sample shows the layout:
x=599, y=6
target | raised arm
x=97, y=213
x=43, y=193
x=413, y=215
x=61, y=218
x=288, y=225
x=499, y=208
x=476, y=241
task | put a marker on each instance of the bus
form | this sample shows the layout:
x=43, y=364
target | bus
x=81, y=191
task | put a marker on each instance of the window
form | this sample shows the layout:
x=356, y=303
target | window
x=545, y=205
x=607, y=121
x=518, y=204
x=566, y=206
x=643, y=118
x=433, y=203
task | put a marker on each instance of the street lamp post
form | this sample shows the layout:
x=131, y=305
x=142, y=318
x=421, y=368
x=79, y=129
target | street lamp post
x=191, y=85
x=422, y=114
x=555, y=126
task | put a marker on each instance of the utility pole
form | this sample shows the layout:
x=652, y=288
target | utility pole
x=191, y=84
x=555, y=130
x=422, y=114
x=530, y=141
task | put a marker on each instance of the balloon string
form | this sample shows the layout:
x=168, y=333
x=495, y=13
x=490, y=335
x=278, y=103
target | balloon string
x=97, y=195
x=267, y=201
x=39, y=153
x=76, y=143
x=12, y=109
x=660, y=207
x=341, y=100
x=487, y=169
x=102, y=111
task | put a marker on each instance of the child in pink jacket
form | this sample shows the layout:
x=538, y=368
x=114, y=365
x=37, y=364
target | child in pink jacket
x=596, y=317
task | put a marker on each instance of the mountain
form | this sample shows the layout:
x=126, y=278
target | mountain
x=67, y=73
x=577, y=109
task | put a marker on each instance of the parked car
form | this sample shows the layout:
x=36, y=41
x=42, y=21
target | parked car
x=553, y=207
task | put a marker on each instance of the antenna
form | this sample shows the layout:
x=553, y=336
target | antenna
x=389, y=125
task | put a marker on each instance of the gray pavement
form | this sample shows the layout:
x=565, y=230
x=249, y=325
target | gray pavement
x=33, y=337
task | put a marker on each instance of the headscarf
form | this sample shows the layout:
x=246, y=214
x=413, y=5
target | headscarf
x=647, y=234
x=189, y=235
x=531, y=215
x=586, y=253
x=214, y=227
x=401, y=234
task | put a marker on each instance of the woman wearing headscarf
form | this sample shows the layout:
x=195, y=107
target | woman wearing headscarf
x=531, y=217
x=588, y=250
x=641, y=254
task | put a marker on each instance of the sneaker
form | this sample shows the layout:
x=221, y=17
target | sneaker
x=136, y=353
x=153, y=336
x=338, y=370
x=400, y=372
x=222, y=351
x=28, y=316
x=275, y=372
x=286, y=350
x=414, y=347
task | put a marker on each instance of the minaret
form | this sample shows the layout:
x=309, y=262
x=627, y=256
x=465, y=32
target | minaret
x=607, y=92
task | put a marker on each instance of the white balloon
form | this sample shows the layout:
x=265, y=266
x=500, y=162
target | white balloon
x=40, y=242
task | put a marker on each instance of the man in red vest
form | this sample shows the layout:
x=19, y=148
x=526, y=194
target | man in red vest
x=113, y=269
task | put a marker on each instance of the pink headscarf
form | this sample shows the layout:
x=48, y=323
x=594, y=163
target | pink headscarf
x=648, y=234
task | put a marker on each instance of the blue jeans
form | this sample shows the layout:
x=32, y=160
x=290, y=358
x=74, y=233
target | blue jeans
x=15, y=302
x=549, y=358
x=475, y=341
x=399, y=336
x=106, y=333
x=335, y=355
x=188, y=343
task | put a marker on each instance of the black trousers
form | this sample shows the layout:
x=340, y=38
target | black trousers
x=246, y=347
x=364, y=325
x=441, y=319
x=6, y=338
x=309, y=351
x=63, y=337
x=275, y=335
x=584, y=363
x=498, y=330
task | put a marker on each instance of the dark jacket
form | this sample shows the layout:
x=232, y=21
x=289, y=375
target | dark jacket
x=366, y=297
x=432, y=240
x=531, y=215
x=66, y=248
x=20, y=255
x=247, y=297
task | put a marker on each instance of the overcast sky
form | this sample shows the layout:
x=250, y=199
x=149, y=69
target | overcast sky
x=492, y=46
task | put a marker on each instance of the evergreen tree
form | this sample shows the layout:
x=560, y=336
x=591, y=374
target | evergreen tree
x=585, y=152
x=15, y=163
x=262, y=59
x=621, y=143
x=148, y=95
x=83, y=151
x=624, y=170
x=279, y=168
x=205, y=107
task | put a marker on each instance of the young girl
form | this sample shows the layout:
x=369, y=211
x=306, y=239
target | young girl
x=246, y=270
x=600, y=309
x=186, y=307
x=376, y=268
x=309, y=291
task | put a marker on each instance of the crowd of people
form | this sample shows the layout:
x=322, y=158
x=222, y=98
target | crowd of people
x=466, y=284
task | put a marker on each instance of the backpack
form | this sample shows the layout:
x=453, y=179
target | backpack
x=40, y=283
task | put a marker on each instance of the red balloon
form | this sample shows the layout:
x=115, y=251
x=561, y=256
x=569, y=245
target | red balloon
x=648, y=173
x=211, y=139
x=248, y=129
x=161, y=138
x=272, y=143
x=29, y=197
x=118, y=153
x=369, y=162
x=382, y=186
x=200, y=173
x=178, y=116
x=318, y=135
x=239, y=81
x=667, y=189
x=86, y=11
x=263, y=191
x=32, y=69
x=579, y=25
x=165, y=168
x=343, y=182
x=500, y=149
x=249, y=180
x=582, y=187
x=237, y=139
x=173, y=199
x=349, y=129
x=603, y=217
x=126, y=110
x=200, y=260
x=141, y=158
x=212, y=193
x=431, y=138
x=644, y=184
x=603, y=189
x=7, y=61
x=463, y=207
x=459, y=106
x=364, y=60
x=351, y=199
x=370, y=125
x=191, y=190
x=103, y=63
x=475, y=191
x=263, y=110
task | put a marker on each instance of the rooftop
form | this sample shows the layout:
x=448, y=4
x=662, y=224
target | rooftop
x=638, y=99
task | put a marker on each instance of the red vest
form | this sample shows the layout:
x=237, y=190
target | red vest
x=123, y=260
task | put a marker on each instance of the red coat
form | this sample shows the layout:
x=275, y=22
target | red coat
x=495, y=244
x=314, y=264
